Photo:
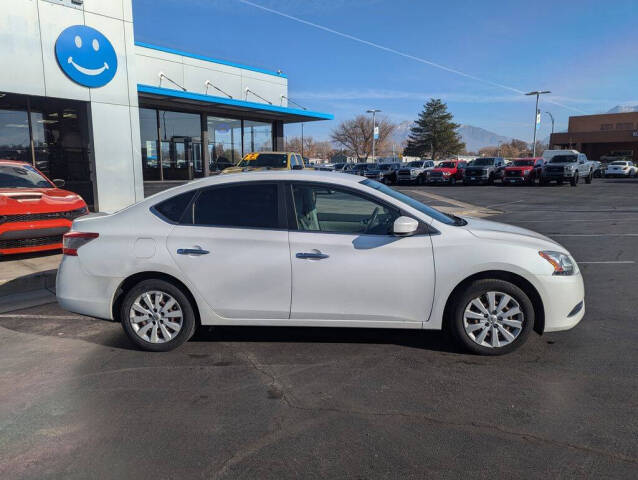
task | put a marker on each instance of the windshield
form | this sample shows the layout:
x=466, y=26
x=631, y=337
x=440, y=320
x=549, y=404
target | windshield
x=22, y=176
x=523, y=163
x=447, y=165
x=618, y=163
x=483, y=162
x=386, y=166
x=271, y=160
x=564, y=159
x=415, y=164
x=421, y=207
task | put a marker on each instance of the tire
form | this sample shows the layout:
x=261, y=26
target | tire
x=462, y=328
x=419, y=180
x=490, y=180
x=180, y=313
x=589, y=178
x=574, y=180
x=542, y=182
x=452, y=181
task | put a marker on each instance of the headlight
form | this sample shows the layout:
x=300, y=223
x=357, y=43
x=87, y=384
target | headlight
x=562, y=263
x=447, y=174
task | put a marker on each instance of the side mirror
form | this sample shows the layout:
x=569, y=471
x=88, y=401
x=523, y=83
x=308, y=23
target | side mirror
x=58, y=182
x=297, y=167
x=405, y=226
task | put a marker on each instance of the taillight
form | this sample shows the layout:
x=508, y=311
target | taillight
x=73, y=240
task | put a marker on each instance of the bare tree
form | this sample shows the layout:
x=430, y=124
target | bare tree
x=356, y=135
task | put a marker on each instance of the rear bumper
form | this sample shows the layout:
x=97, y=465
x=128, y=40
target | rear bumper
x=82, y=293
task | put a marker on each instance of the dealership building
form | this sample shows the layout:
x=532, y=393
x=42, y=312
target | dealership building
x=603, y=137
x=118, y=119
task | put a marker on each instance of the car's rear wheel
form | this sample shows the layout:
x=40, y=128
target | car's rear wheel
x=589, y=178
x=491, y=317
x=157, y=315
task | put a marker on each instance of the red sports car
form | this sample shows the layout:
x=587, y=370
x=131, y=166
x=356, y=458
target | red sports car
x=34, y=212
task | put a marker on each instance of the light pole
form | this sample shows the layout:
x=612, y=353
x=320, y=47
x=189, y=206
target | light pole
x=374, y=127
x=550, y=138
x=538, y=93
x=499, y=148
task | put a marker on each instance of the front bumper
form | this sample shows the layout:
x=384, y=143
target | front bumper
x=27, y=237
x=564, y=301
x=522, y=179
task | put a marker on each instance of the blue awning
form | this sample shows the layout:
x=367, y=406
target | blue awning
x=168, y=96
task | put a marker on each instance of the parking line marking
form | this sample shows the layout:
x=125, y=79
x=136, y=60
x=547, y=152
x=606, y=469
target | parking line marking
x=53, y=317
x=592, y=234
x=627, y=262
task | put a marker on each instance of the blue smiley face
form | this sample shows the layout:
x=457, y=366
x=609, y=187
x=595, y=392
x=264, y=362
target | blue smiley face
x=86, y=56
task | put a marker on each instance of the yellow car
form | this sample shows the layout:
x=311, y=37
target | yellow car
x=268, y=161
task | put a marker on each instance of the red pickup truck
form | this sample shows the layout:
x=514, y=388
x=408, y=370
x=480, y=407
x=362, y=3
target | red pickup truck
x=523, y=170
x=448, y=171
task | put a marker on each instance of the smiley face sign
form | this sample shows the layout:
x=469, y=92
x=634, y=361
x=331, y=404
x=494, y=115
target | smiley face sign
x=86, y=56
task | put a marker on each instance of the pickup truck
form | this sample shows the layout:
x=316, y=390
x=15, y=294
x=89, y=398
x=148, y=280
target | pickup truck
x=523, y=170
x=448, y=171
x=414, y=172
x=566, y=166
x=484, y=170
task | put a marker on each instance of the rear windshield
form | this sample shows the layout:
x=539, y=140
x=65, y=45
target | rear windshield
x=447, y=165
x=618, y=163
x=564, y=159
x=272, y=160
x=483, y=162
x=22, y=176
x=523, y=163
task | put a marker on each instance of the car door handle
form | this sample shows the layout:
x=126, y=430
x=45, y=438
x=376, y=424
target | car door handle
x=192, y=251
x=312, y=255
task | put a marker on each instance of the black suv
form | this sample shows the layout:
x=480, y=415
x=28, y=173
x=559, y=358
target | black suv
x=484, y=170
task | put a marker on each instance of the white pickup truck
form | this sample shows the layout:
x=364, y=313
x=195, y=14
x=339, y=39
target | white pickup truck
x=566, y=166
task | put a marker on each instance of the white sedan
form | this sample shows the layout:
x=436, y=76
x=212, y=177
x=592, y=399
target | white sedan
x=621, y=168
x=308, y=248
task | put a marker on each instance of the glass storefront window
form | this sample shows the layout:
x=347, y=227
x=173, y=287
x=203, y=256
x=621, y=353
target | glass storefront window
x=257, y=136
x=224, y=137
x=150, y=151
x=182, y=133
x=15, y=143
x=52, y=134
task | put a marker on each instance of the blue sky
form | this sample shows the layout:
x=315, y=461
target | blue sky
x=584, y=51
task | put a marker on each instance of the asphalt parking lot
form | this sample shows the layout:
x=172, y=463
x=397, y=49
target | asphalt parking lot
x=77, y=400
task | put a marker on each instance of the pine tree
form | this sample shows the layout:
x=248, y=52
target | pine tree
x=434, y=133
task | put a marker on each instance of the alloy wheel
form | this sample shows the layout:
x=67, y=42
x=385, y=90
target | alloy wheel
x=156, y=317
x=493, y=319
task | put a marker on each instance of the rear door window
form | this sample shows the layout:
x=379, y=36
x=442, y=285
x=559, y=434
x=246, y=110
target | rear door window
x=248, y=205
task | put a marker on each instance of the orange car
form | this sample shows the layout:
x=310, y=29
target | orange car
x=34, y=211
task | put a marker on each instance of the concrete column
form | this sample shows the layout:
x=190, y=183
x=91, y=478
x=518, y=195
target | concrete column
x=205, y=150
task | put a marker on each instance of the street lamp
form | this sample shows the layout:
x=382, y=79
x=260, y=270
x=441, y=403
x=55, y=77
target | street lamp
x=550, y=138
x=374, y=127
x=536, y=114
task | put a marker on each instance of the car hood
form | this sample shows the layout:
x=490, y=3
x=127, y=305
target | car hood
x=518, y=169
x=443, y=169
x=479, y=167
x=487, y=229
x=37, y=200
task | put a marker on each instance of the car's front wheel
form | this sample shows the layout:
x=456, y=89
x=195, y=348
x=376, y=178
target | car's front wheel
x=491, y=317
x=157, y=315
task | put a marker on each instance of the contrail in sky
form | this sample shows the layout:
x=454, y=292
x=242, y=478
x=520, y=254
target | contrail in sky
x=398, y=52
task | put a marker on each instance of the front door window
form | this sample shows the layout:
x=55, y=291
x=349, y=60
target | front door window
x=332, y=210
